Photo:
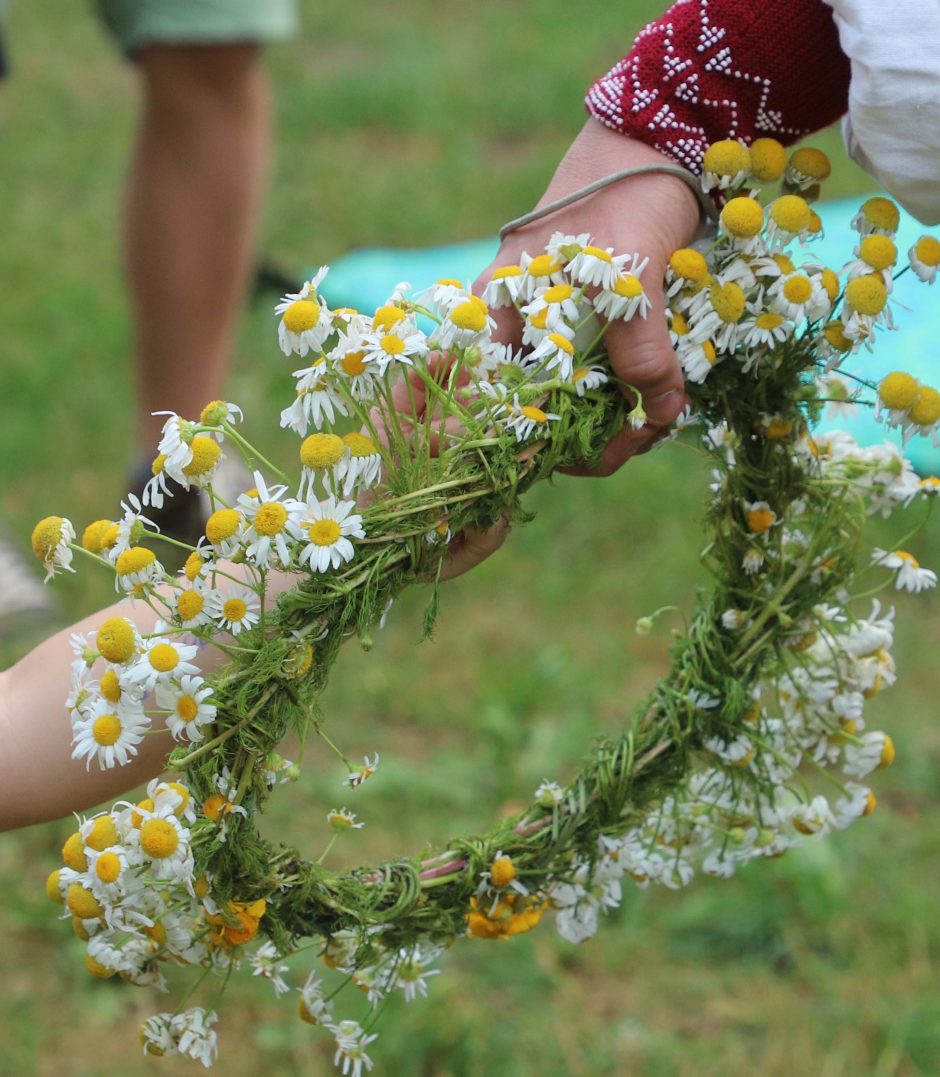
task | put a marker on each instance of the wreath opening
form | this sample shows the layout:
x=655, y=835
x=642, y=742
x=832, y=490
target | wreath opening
x=753, y=742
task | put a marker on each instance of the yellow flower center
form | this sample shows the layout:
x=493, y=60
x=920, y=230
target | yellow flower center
x=563, y=344
x=164, y=657
x=193, y=566
x=597, y=252
x=742, y=217
x=214, y=413
x=926, y=409
x=323, y=532
x=73, y=853
x=836, y=338
x=628, y=286
x=145, y=805
x=106, y=729
x=784, y=264
x=156, y=467
x=878, y=251
x=134, y=560
x=768, y=320
x=728, y=301
x=709, y=352
x=359, y=445
x=927, y=251
x=95, y=967
x=830, y=282
x=470, y=315
x=680, y=324
x=301, y=315
x=882, y=213
x=502, y=871
x=234, y=609
x=53, y=890
x=270, y=518
x=534, y=413
x=103, y=833
x=213, y=806
x=790, y=212
x=190, y=605
x=82, y=902
x=798, y=289
x=867, y=295
x=898, y=390
x=206, y=453
x=108, y=867
x=727, y=158
x=543, y=265
x=353, y=363
x=507, y=271
x=887, y=754
x=178, y=787
x=539, y=320
x=222, y=524
x=778, y=428
x=760, y=520
x=159, y=838
x=94, y=534
x=110, y=686
x=558, y=293
x=768, y=160
x=908, y=558
x=392, y=345
x=387, y=316
x=810, y=162
x=186, y=707
x=688, y=264
x=320, y=451
x=46, y=535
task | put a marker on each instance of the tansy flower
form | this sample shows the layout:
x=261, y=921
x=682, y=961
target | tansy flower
x=327, y=526
x=51, y=540
x=235, y=610
x=924, y=258
x=361, y=465
x=109, y=734
x=187, y=706
x=910, y=576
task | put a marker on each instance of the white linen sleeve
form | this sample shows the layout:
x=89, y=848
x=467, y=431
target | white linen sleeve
x=892, y=128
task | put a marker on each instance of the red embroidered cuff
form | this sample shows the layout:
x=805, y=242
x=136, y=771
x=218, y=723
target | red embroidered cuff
x=713, y=69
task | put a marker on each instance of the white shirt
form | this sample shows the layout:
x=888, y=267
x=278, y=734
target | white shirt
x=892, y=128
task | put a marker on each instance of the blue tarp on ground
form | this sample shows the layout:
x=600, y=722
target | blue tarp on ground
x=364, y=279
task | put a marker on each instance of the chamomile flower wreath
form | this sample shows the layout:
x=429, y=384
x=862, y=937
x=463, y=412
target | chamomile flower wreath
x=754, y=742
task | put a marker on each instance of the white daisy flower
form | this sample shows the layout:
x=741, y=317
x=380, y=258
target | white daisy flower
x=340, y=819
x=697, y=360
x=554, y=351
x=109, y=734
x=765, y=330
x=858, y=802
x=466, y=324
x=355, y=369
x=503, y=287
x=234, y=610
x=443, y=294
x=542, y=271
x=559, y=303
x=107, y=875
x=599, y=265
x=587, y=378
x=175, y=439
x=873, y=254
x=797, y=296
x=362, y=773
x=875, y=752
x=51, y=539
x=172, y=796
x=564, y=246
x=361, y=466
x=527, y=419
x=877, y=216
x=789, y=217
x=185, y=700
x=131, y=526
x=157, y=1036
x=910, y=575
x=271, y=520
x=137, y=568
x=386, y=349
x=162, y=842
x=305, y=322
x=318, y=399
x=813, y=818
x=264, y=962
x=327, y=527
x=624, y=299
x=924, y=258
x=195, y=1036
x=351, y=1043
x=549, y=794
x=161, y=660
x=314, y=1008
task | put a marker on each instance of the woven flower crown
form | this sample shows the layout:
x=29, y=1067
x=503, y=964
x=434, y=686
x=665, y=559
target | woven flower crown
x=445, y=429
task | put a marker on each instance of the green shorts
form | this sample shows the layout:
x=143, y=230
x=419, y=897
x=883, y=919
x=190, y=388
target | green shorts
x=136, y=23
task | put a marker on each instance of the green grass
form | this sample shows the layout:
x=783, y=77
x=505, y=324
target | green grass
x=407, y=124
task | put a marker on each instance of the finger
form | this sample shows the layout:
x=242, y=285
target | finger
x=469, y=548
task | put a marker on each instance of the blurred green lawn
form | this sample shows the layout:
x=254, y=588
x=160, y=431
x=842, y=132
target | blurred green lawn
x=409, y=124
